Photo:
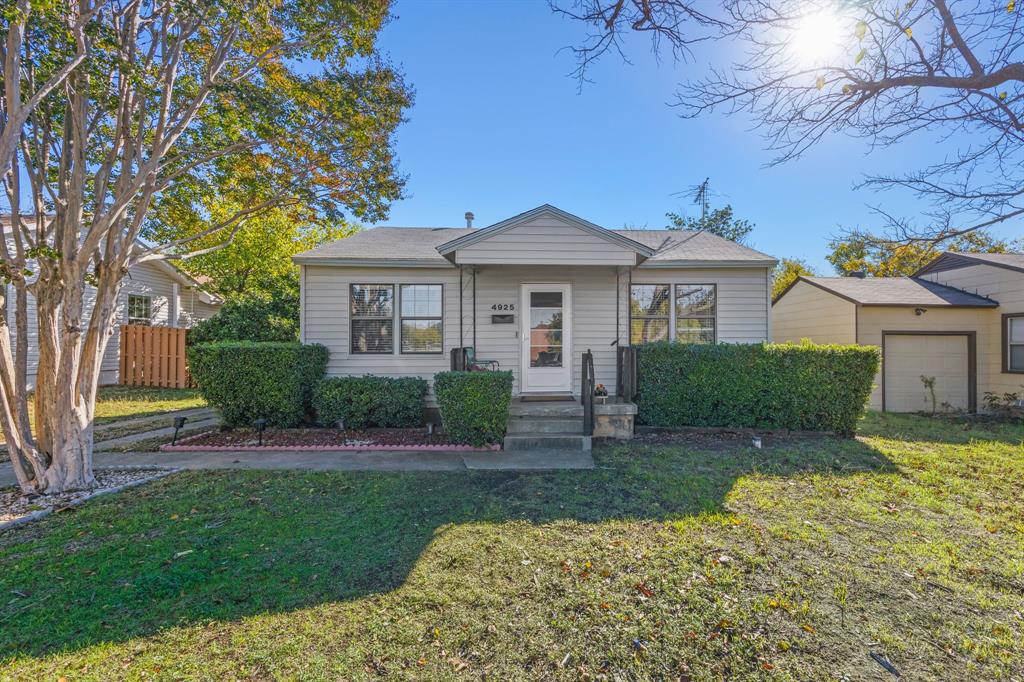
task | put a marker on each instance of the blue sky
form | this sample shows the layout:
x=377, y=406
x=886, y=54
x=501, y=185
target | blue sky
x=500, y=126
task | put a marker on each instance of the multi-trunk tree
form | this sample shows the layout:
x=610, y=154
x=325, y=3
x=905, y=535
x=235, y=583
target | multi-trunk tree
x=113, y=106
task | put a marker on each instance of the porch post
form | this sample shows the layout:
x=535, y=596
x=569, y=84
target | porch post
x=462, y=317
x=474, y=308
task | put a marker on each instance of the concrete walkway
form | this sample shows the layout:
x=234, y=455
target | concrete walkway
x=535, y=460
x=166, y=432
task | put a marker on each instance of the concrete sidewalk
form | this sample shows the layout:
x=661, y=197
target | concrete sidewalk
x=536, y=460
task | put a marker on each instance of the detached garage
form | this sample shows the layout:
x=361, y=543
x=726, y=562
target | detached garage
x=926, y=331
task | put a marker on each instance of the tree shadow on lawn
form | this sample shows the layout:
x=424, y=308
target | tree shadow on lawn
x=219, y=546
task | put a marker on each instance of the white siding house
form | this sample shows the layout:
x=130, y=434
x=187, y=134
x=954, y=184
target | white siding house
x=529, y=294
x=154, y=293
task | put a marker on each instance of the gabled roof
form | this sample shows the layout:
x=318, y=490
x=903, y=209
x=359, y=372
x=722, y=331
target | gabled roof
x=423, y=246
x=587, y=226
x=895, y=291
x=951, y=260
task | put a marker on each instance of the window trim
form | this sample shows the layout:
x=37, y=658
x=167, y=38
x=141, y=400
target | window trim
x=128, y=309
x=675, y=315
x=394, y=309
x=1006, y=342
x=668, y=318
x=401, y=318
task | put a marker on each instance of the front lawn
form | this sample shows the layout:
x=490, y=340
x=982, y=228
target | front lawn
x=794, y=562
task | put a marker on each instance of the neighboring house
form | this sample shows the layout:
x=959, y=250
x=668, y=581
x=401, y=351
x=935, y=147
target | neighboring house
x=531, y=293
x=154, y=293
x=960, y=319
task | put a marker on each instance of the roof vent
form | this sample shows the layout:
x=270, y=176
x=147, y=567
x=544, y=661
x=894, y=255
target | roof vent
x=858, y=274
x=469, y=218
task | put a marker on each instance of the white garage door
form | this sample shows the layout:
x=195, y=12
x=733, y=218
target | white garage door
x=908, y=358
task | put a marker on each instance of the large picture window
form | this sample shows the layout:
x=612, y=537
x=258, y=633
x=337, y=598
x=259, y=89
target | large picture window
x=372, y=316
x=648, y=313
x=422, y=327
x=695, y=313
x=1013, y=348
x=139, y=309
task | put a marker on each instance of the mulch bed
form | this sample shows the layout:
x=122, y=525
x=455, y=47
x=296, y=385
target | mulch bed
x=14, y=505
x=317, y=439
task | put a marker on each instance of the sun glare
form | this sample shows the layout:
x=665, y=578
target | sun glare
x=817, y=38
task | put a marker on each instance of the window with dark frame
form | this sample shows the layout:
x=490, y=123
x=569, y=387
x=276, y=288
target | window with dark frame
x=1014, y=335
x=422, y=323
x=649, y=313
x=372, y=318
x=695, y=309
x=139, y=309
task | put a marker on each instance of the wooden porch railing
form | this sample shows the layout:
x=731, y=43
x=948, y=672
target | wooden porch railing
x=153, y=356
x=587, y=393
x=625, y=372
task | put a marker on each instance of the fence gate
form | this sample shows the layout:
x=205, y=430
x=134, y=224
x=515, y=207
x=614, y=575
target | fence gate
x=153, y=356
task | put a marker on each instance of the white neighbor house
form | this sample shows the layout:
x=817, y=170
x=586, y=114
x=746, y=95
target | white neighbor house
x=154, y=293
x=531, y=293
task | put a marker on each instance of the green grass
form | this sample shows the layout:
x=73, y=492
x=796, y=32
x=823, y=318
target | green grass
x=794, y=562
x=125, y=402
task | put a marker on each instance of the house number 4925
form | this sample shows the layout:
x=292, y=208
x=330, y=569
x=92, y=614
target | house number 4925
x=503, y=306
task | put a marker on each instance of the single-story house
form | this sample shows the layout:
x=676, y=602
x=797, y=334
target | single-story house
x=154, y=293
x=528, y=294
x=959, y=320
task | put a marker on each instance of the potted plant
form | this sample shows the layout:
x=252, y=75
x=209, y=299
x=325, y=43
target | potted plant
x=600, y=394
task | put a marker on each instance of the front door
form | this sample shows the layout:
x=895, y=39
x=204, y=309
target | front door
x=546, y=324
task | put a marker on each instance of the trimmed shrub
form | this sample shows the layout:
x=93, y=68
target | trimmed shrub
x=253, y=318
x=474, y=405
x=246, y=380
x=781, y=386
x=370, y=401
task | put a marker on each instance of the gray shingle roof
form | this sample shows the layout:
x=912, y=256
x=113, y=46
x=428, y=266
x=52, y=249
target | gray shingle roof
x=899, y=291
x=420, y=244
x=951, y=260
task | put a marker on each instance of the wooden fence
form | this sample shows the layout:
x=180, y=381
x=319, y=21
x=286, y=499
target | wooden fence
x=153, y=356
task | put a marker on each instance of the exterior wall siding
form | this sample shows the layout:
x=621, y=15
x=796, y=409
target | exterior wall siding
x=1006, y=287
x=742, y=312
x=546, y=241
x=807, y=312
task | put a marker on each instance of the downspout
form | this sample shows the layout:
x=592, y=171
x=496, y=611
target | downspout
x=629, y=323
x=462, y=316
x=474, y=309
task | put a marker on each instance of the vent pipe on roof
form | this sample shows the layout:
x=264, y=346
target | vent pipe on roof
x=469, y=218
x=858, y=274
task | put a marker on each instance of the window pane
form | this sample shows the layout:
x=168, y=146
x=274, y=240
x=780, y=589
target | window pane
x=138, y=309
x=649, y=300
x=1016, y=329
x=545, y=337
x=421, y=300
x=421, y=336
x=646, y=331
x=545, y=299
x=545, y=356
x=372, y=300
x=695, y=300
x=1017, y=357
x=545, y=318
x=372, y=336
x=695, y=330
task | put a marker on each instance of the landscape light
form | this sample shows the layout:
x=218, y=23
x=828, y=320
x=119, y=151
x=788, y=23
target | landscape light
x=179, y=422
x=259, y=425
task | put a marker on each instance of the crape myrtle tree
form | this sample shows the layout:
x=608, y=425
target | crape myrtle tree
x=883, y=70
x=111, y=107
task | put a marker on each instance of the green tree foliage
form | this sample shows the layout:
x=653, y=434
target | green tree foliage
x=255, y=317
x=720, y=221
x=788, y=270
x=892, y=259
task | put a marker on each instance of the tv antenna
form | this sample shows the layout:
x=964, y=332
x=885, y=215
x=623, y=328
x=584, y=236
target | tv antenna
x=700, y=196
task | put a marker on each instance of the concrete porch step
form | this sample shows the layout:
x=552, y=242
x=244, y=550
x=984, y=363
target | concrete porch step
x=548, y=441
x=526, y=425
x=563, y=409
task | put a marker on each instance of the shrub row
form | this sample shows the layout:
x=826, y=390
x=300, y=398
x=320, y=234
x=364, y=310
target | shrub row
x=246, y=380
x=370, y=401
x=792, y=386
x=474, y=405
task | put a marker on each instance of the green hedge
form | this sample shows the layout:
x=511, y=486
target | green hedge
x=370, y=401
x=247, y=380
x=474, y=405
x=792, y=386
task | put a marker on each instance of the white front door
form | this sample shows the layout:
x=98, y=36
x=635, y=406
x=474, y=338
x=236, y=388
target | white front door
x=545, y=330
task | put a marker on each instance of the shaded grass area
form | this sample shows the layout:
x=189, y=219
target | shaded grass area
x=666, y=562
